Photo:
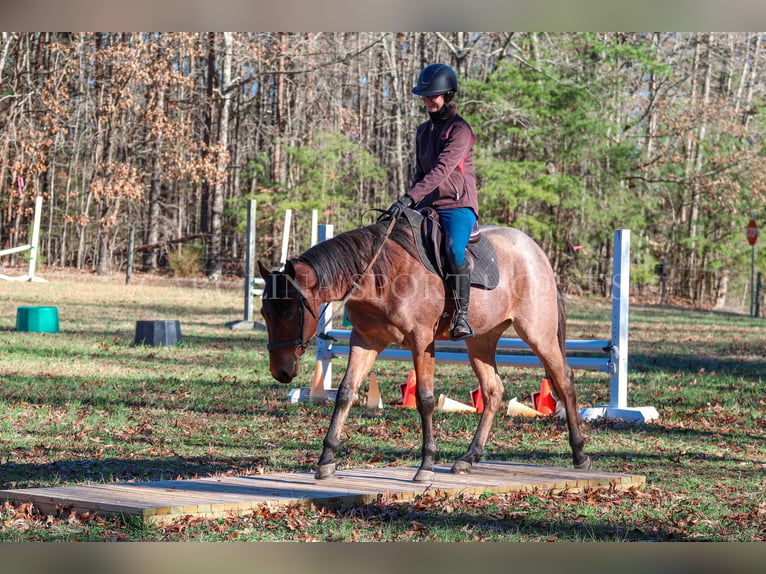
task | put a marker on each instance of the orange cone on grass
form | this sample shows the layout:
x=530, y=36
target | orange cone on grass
x=477, y=400
x=543, y=399
x=408, y=391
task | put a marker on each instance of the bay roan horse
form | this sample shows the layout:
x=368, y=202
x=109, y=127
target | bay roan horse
x=397, y=300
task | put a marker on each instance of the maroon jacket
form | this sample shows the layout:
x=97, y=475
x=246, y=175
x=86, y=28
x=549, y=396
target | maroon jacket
x=444, y=172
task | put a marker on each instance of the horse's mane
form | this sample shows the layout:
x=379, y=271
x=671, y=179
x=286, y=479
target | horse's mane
x=345, y=257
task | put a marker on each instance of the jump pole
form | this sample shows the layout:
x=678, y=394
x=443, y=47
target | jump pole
x=31, y=247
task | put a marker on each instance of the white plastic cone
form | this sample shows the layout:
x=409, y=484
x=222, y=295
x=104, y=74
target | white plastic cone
x=374, y=400
x=517, y=408
x=447, y=404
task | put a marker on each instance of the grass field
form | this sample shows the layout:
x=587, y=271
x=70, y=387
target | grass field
x=87, y=405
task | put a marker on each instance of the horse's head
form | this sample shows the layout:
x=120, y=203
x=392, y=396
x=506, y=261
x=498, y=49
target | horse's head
x=290, y=319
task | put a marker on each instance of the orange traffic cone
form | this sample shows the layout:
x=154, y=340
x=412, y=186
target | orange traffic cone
x=408, y=391
x=477, y=400
x=543, y=400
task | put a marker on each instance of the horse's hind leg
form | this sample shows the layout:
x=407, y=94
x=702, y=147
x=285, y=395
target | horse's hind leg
x=564, y=387
x=553, y=359
x=483, y=364
x=360, y=362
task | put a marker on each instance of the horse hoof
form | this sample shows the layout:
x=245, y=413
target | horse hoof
x=325, y=471
x=585, y=465
x=424, y=476
x=461, y=467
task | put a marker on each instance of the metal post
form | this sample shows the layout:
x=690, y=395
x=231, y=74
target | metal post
x=249, y=259
x=35, y=237
x=131, y=247
x=247, y=321
x=752, y=280
x=324, y=346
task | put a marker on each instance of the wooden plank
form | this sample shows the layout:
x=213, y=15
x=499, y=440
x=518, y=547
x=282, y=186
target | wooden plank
x=167, y=500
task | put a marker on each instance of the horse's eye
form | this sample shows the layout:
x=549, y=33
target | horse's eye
x=289, y=313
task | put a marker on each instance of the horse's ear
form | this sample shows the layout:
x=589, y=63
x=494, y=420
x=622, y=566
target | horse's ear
x=265, y=273
x=290, y=269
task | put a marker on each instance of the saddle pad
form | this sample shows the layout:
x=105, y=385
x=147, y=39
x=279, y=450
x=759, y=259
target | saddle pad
x=484, y=270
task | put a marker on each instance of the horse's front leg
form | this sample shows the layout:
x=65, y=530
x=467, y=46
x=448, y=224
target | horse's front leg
x=360, y=362
x=424, y=370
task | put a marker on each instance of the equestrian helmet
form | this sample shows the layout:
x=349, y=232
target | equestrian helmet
x=436, y=79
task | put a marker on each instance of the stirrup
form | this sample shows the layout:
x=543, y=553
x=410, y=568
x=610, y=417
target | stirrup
x=461, y=328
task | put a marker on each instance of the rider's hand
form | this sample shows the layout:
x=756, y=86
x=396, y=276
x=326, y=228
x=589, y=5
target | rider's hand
x=397, y=208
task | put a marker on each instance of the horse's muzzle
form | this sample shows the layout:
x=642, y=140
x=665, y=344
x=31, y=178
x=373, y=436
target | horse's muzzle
x=284, y=370
x=283, y=377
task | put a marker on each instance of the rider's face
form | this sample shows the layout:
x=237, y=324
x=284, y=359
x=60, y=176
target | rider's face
x=433, y=103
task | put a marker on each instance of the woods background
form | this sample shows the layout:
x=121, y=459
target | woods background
x=577, y=134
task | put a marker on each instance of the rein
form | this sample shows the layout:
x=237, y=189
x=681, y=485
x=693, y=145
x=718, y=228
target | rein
x=302, y=345
x=354, y=284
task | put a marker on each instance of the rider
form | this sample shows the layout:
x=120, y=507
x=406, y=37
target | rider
x=445, y=181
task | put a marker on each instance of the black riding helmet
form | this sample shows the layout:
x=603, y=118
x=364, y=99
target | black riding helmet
x=436, y=79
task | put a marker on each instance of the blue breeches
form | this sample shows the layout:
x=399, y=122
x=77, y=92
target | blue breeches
x=457, y=225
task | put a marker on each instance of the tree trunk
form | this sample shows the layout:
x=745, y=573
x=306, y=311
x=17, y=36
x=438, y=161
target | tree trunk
x=103, y=156
x=207, y=139
x=215, y=261
x=278, y=172
x=153, y=207
x=696, y=282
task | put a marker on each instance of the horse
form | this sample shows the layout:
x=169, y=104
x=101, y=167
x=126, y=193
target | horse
x=391, y=298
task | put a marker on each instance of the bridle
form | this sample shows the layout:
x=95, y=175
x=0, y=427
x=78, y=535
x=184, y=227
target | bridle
x=298, y=342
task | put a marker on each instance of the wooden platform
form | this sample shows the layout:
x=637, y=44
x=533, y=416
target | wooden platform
x=166, y=500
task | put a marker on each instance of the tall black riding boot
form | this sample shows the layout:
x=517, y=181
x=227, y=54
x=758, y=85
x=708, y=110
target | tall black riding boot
x=460, y=283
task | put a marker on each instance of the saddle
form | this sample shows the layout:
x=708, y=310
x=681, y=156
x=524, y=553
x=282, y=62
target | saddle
x=427, y=233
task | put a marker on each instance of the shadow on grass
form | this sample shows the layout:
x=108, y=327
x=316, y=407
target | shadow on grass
x=21, y=475
x=694, y=359
x=121, y=348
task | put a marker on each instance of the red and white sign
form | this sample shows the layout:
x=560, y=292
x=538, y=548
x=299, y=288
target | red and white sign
x=751, y=232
